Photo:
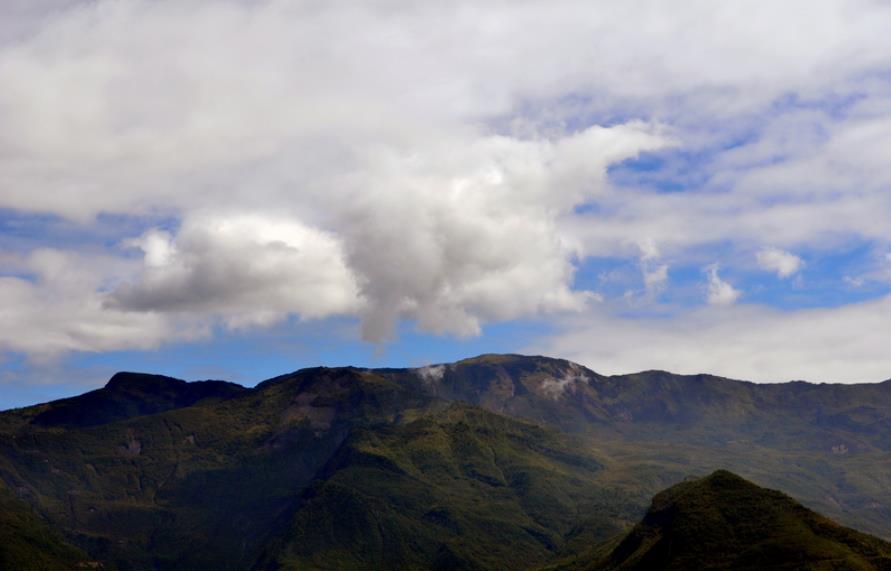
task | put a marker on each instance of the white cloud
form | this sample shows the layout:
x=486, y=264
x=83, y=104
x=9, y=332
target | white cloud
x=309, y=174
x=180, y=104
x=648, y=249
x=370, y=189
x=248, y=270
x=656, y=278
x=476, y=238
x=60, y=308
x=719, y=291
x=451, y=236
x=555, y=388
x=843, y=344
x=431, y=374
x=804, y=179
x=785, y=264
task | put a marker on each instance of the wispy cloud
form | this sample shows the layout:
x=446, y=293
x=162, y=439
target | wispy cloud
x=784, y=264
x=719, y=291
x=757, y=343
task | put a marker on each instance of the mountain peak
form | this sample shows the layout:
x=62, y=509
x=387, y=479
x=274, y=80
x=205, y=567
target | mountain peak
x=126, y=379
x=501, y=358
x=128, y=395
x=725, y=521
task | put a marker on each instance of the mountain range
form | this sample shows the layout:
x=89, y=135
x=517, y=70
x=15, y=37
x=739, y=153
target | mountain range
x=495, y=462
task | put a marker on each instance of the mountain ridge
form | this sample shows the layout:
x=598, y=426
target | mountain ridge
x=123, y=377
x=127, y=395
x=125, y=485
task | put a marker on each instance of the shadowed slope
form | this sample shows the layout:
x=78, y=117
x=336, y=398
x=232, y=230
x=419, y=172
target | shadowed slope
x=200, y=486
x=28, y=543
x=725, y=522
x=128, y=395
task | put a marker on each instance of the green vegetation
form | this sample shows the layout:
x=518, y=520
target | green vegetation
x=203, y=485
x=459, y=488
x=492, y=462
x=827, y=445
x=28, y=543
x=725, y=522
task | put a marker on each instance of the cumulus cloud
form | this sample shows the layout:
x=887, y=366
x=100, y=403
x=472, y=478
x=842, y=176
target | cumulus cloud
x=784, y=263
x=248, y=270
x=476, y=238
x=300, y=171
x=451, y=237
x=719, y=291
x=362, y=188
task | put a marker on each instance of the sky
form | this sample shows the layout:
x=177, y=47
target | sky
x=237, y=189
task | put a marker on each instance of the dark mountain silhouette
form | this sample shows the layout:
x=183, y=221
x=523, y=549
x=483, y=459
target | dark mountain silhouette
x=129, y=395
x=725, y=522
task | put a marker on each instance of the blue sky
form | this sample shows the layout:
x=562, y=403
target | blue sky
x=236, y=190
